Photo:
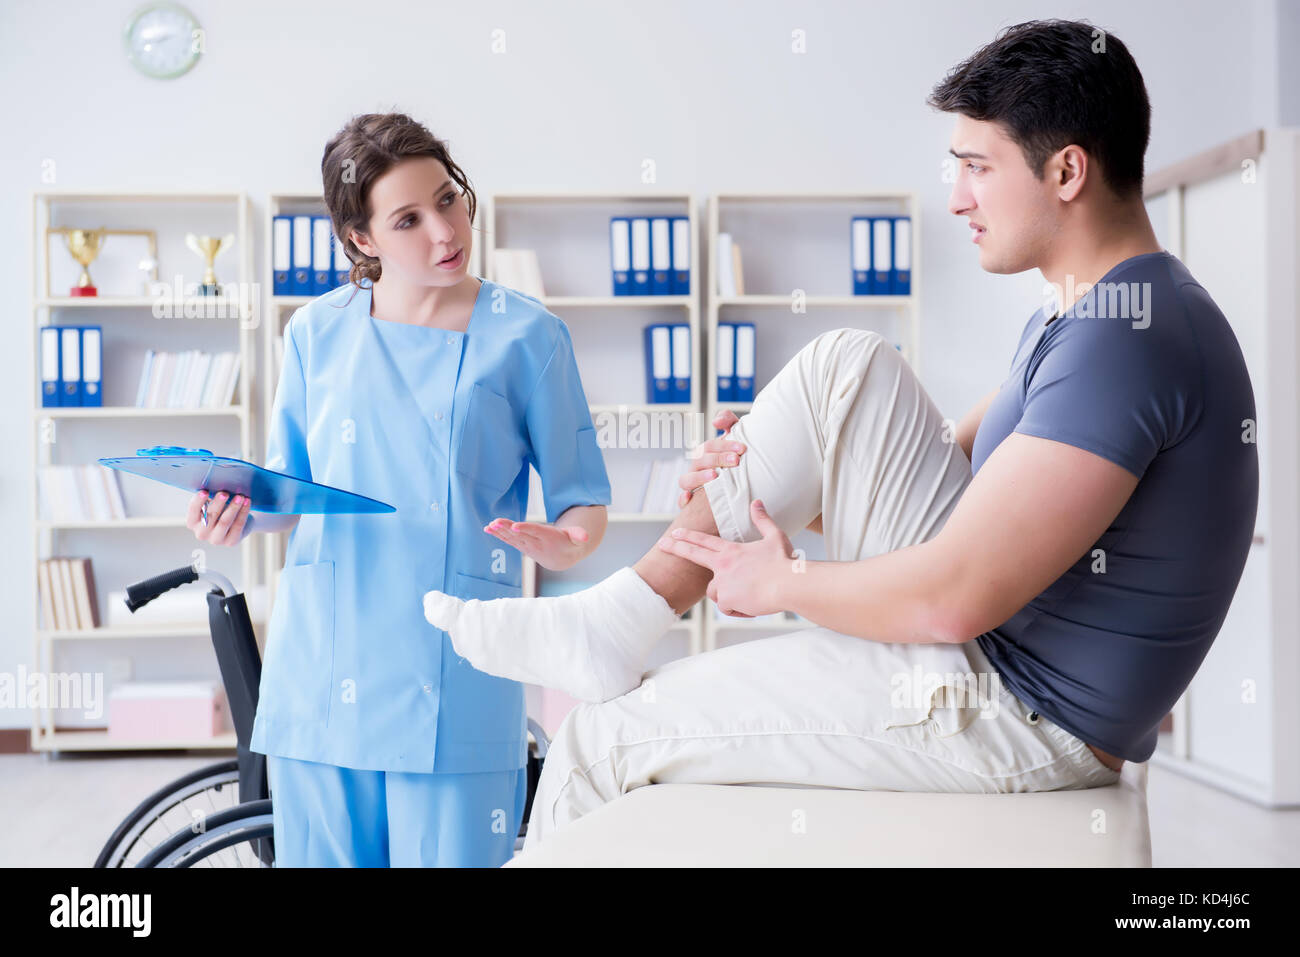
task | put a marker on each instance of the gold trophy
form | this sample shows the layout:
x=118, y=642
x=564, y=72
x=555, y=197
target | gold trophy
x=84, y=245
x=209, y=247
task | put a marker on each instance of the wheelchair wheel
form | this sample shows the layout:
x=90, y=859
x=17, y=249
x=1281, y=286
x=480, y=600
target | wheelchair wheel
x=159, y=832
x=240, y=836
x=170, y=809
x=537, y=749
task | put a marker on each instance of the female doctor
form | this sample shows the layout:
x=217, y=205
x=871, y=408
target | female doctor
x=427, y=388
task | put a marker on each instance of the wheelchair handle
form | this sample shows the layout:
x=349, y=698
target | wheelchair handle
x=141, y=593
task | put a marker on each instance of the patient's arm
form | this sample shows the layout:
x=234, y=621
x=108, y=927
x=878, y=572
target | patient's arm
x=1024, y=520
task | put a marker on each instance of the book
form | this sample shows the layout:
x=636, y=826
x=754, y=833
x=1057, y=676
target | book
x=67, y=605
x=78, y=493
x=726, y=280
x=519, y=270
x=731, y=277
x=187, y=380
x=45, y=588
x=661, y=488
x=83, y=584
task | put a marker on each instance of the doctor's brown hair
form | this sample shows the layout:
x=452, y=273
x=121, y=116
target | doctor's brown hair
x=366, y=148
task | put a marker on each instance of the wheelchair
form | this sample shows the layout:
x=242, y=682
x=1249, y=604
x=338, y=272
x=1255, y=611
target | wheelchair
x=220, y=815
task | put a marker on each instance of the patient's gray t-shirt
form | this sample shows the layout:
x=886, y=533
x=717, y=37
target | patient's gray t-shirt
x=1158, y=385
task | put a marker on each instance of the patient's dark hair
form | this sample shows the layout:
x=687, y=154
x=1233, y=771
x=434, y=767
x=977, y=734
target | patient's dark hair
x=366, y=148
x=1051, y=83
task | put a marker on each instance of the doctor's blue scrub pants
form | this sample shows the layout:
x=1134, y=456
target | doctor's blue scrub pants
x=329, y=816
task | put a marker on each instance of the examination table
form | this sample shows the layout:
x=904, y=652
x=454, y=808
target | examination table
x=717, y=825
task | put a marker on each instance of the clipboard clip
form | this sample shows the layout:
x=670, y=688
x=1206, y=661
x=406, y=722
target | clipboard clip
x=171, y=450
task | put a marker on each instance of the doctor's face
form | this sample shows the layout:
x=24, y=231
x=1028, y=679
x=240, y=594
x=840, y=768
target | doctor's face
x=419, y=224
x=997, y=192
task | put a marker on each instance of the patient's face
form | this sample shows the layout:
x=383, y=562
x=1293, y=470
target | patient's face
x=996, y=189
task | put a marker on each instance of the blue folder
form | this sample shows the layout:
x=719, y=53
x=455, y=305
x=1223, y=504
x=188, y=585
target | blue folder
x=275, y=492
x=281, y=255
x=658, y=342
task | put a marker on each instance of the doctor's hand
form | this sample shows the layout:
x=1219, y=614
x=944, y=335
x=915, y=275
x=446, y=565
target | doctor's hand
x=227, y=518
x=746, y=575
x=555, y=549
x=719, y=451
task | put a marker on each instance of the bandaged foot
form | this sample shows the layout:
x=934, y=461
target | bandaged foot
x=591, y=644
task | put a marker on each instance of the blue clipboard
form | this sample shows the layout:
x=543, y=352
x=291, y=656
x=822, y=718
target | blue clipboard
x=267, y=491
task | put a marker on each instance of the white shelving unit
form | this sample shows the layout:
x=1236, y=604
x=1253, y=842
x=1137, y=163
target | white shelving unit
x=796, y=245
x=1232, y=215
x=795, y=251
x=80, y=435
x=569, y=231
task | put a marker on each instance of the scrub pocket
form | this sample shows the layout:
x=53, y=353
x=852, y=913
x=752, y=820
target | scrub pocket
x=299, y=662
x=491, y=451
x=471, y=586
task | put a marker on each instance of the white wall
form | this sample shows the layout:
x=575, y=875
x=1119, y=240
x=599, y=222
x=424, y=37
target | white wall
x=585, y=91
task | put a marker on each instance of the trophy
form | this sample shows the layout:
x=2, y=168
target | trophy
x=209, y=247
x=84, y=245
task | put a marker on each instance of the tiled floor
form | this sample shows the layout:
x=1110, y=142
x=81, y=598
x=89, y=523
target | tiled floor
x=60, y=811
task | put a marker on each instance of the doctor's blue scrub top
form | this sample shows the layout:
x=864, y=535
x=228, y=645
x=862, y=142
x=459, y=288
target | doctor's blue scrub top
x=442, y=425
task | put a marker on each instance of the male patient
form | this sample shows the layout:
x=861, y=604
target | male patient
x=1010, y=607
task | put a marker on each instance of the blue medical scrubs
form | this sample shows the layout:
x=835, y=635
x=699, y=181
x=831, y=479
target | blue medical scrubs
x=384, y=746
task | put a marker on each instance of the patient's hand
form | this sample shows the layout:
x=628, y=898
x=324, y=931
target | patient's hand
x=747, y=576
x=719, y=452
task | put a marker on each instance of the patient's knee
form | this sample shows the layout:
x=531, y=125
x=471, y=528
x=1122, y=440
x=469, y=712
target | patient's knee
x=848, y=334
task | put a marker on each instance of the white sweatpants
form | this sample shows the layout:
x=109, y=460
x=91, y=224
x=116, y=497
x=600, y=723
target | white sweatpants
x=847, y=431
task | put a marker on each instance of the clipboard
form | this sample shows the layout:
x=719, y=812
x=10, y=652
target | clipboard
x=267, y=491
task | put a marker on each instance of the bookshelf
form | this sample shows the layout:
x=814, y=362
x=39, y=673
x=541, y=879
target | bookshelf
x=795, y=259
x=1231, y=214
x=569, y=231
x=135, y=315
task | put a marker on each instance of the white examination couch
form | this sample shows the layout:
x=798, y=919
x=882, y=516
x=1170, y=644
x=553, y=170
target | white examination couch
x=716, y=825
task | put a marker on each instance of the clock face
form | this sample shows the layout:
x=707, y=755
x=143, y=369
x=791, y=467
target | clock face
x=161, y=40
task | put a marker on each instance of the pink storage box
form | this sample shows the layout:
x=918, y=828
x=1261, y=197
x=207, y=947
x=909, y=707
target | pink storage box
x=174, y=710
